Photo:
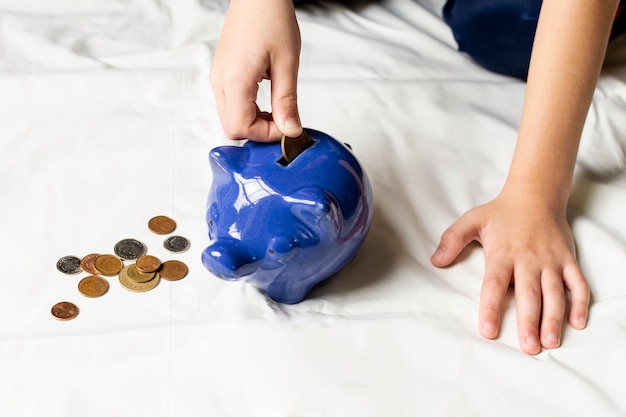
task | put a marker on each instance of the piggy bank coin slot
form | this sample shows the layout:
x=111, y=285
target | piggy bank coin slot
x=291, y=147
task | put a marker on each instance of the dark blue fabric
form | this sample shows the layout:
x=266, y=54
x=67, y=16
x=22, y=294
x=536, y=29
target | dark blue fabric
x=497, y=34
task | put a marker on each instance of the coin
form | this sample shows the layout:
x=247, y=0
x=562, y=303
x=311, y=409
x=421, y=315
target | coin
x=148, y=263
x=176, y=244
x=93, y=286
x=292, y=147
x=173, y=270
x=69, y=265
x=129, y=249
x=131, y=285
x=108, y=265
x=138, y=276
x=64, y=311
x=161, y=225
x=87, y=263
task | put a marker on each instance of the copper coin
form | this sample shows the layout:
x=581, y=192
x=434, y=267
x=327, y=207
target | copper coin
x=108, y=265
x=129, y=249
x=138, y=276
x=87, y=263
x=69, y=265
x=64, y=311
x=148, y=263
x=131, y=285
x=93, y=286
x=173, y=270
x=176, y=244
x=292, y=147
x=161, y=225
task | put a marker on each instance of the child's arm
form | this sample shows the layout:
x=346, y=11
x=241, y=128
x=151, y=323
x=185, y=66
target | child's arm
x=260, y=40
x=524, y=230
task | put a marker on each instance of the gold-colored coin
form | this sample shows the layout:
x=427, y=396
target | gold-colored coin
x=64, y=311
x=173, y=270
x=108, y=265
x=131, y=285
x=148, y=263
x=161, y=225
x=292, y=147
x=93, y=286
x=136, y=275
x=87, y=263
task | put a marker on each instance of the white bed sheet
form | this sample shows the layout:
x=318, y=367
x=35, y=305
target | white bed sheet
x=106, y=119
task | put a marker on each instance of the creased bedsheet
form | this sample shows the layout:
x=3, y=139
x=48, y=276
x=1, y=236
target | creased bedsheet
x=106, y=119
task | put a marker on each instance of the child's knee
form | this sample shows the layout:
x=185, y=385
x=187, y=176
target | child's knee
x=497, y=34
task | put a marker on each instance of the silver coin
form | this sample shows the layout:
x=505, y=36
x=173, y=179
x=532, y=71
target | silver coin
x=129, y=249
x=69, y=265
x=176, y=244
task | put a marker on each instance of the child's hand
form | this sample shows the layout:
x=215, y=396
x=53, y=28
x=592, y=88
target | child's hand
x=529, y=244
x=260, y=40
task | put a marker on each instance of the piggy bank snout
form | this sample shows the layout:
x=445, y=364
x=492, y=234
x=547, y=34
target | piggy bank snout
x=227, y=260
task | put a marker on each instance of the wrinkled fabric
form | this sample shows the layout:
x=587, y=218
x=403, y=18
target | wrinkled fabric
x=106, y=120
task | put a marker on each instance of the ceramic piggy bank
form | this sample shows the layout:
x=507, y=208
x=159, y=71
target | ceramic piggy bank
x=284, y=227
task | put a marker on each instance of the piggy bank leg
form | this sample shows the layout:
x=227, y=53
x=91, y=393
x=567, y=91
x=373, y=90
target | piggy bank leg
x=227, y=261
x=292, y=291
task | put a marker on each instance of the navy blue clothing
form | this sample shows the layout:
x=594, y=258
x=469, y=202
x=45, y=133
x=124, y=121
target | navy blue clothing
x=499, y=34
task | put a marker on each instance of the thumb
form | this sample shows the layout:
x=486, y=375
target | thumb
x=285, y=102
x=454, y=240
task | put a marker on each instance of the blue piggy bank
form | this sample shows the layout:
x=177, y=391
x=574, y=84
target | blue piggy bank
x=285, y=227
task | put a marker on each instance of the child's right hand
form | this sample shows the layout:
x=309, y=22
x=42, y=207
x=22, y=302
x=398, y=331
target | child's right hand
x=260, y=40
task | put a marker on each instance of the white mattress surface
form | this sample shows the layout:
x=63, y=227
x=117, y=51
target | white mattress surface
x=106, y=120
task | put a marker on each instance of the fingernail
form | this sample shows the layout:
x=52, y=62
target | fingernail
x=488, y=327
x=581, y=321
x=552, y=338
x=531, y=341
x=438, y=253
x=292, y=123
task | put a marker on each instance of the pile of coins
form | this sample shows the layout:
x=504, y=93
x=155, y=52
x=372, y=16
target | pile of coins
x=141, y=276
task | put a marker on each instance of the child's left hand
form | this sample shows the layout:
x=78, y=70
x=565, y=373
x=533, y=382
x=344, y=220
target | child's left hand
x=528, y=244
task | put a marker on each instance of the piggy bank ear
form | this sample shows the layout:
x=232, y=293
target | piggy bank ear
x=318, y=209
x=227, y=159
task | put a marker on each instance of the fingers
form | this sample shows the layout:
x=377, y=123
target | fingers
x=454, y=239
x=242, y=118
x=492, y=294
x=240, y=115
x=529, y=302
x=284, y=99
x=579, y=295
x=554, y=304
x=540, y=301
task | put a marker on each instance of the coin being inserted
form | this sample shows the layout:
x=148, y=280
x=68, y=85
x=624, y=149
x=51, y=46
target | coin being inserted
x=292, y=147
